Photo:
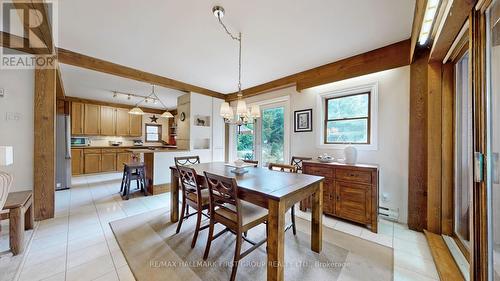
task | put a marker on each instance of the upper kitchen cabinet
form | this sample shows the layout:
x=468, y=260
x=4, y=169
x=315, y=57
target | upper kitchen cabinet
x=108, y=121
x=92, y=119
x=135, y=125
x=122, y=122
x=77, y=109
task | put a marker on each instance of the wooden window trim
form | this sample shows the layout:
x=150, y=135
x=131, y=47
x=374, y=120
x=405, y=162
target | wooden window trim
x=368, y=119
x=146, y=132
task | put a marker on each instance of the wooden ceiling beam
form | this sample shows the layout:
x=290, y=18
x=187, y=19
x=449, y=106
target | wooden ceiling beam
x=455, y=15
x=42, y=28
x=14, y=42
x=112, y=104
x=418, y=18
x=59, y=84
x=84, y=61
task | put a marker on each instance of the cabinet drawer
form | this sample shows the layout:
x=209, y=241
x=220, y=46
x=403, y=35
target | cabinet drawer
x=326, y=172
x=109, y=150
x=354, y=175
x=92, y=151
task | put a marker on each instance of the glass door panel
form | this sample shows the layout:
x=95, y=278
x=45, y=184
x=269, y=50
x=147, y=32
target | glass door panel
x=245, y=142
x=273, y=134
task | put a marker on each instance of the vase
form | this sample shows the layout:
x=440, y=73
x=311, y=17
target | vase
x=5, y=184
x=351, y=155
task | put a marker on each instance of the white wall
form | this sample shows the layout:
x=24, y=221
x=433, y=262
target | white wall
x=393, y=130
x=18, y=104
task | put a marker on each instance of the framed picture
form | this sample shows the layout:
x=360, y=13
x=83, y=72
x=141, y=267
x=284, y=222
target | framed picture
x=303, y=120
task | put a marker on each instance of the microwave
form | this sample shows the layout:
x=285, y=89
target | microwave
x=80, y=141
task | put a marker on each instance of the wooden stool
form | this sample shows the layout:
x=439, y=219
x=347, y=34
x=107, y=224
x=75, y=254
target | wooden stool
x=18, y=210
x=133, y=171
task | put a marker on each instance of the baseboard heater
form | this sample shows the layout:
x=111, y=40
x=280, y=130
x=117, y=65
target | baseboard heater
x=388, y=213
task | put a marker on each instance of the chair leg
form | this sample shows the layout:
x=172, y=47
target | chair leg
x=197, y=229
x=245, y=233
x=127, y=187
x=237, y=253
x=294, y=229
x=181, y=219
x=123, y=181
x=209, y=239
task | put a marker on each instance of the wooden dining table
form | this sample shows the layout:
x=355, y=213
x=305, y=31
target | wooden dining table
x=273, y=190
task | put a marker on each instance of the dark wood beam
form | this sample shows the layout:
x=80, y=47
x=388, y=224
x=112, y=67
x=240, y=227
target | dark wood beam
x=145, y=109
x=418, y=17
x=88, y=62
x=17, y=43
x=455, y=15
x=41, y=28
x=59, y=85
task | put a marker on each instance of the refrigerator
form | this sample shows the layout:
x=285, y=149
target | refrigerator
x=63, y=152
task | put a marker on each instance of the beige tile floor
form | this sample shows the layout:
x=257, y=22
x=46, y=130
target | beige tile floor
x=78, y=243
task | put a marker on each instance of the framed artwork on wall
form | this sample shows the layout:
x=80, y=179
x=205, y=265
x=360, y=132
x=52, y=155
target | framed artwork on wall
x=303, y=120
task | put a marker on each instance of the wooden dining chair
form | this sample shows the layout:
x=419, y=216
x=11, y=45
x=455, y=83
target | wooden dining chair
x=194, y=195
x=255, y=162
x=236, y=215
x=289, y=169
x=297, y=162
x=186, y=160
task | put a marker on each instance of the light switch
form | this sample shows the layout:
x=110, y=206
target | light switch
x=2, y=92
x=13, y=116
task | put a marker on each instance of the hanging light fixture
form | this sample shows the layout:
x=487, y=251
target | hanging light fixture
x=243, y=114
x=138, y=111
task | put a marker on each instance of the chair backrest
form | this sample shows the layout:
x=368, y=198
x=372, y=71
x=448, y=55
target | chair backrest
x=186, y=160
x=5, y=184
x=223, y=193
x=255, y=162
x=282, y=167
x=189, y=183
x=297, y=162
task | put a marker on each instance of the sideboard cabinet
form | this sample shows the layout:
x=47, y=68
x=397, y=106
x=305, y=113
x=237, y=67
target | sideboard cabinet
x=349, y=191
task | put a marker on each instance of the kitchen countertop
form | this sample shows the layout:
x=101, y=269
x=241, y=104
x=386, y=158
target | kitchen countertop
x=147, y=150
x=127, y=147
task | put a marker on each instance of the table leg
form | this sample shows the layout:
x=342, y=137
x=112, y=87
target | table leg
x=276, y=241
x=16, y=234
x=29, y=218
x=174, y=196
x=317, y=219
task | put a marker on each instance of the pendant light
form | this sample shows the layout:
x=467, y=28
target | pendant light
x=138, y=111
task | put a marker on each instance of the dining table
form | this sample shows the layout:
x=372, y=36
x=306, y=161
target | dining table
x=274, y=190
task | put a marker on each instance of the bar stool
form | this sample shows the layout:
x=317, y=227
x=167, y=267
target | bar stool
x=133, y=171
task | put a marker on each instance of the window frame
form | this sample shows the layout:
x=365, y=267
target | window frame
x=146, y=132
x=368, y=119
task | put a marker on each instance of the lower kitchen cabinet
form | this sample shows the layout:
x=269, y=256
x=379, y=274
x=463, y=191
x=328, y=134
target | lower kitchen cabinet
x=349, y=191
x=97, y=160
x=122, y=157
x=76, y=161
x=92, y=163
x=108, y=162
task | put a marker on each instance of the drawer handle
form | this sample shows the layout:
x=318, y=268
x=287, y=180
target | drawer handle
x=352, y=175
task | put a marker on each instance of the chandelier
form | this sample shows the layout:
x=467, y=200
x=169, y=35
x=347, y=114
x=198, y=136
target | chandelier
x=138, y=111
x=243, y=114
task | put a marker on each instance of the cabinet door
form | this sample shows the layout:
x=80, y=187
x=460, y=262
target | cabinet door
x=108, y=121
x=135, y=125
x=108, y=162
x=92, y=163
x=328, y=197
x=92, y=120
x=76, y=161
x=122, y=157
x=122, y=122
x=77, y=117
x=353, y=201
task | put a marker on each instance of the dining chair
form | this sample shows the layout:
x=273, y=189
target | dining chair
x=297, y=162
x=194, y=195
x=186, y=161
x=289, y=169
x=255, y=162
x=236, y=215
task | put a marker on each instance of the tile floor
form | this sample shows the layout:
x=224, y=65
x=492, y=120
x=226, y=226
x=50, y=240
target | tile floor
x=78, y=243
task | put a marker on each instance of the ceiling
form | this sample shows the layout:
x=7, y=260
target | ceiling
x=182, y=40
x=89, y=84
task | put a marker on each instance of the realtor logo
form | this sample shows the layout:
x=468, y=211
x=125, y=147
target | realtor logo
x=28, y=35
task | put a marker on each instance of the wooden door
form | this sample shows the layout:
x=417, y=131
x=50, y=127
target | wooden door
x=108, y=121
x=135, y=125
x=92, y=163
x=76, y=161
x=108, y=162
x=122, y=122
x=353, y=201
x=122, y=157
x=92, y=120
x=77, y=117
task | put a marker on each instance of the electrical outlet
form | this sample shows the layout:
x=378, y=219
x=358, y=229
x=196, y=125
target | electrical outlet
x=2, y=92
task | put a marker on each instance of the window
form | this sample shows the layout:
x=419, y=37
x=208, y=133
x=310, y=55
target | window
x=245, y=142
x=153, y=133
x=347, y=119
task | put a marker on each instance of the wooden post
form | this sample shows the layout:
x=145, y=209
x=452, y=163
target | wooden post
x=44, y=143
x=276, y=241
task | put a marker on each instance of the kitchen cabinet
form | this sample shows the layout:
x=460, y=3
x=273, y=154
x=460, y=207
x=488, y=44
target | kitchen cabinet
x=92, y=120
x=122, y=157
x=92, y=161
x=108, y=161
x=77, y=109
x=108, y=121
x=349, y=191
x=76, y=161
x=122, y=122
x=135, y=125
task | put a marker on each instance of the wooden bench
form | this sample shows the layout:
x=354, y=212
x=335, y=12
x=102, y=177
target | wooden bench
x=18, y=210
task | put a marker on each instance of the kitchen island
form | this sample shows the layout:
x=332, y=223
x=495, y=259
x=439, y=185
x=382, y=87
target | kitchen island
x=157, y=164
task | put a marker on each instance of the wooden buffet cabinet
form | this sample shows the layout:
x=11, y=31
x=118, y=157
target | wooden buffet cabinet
x=98, y=160
x=349, y=191
x=100, y=120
